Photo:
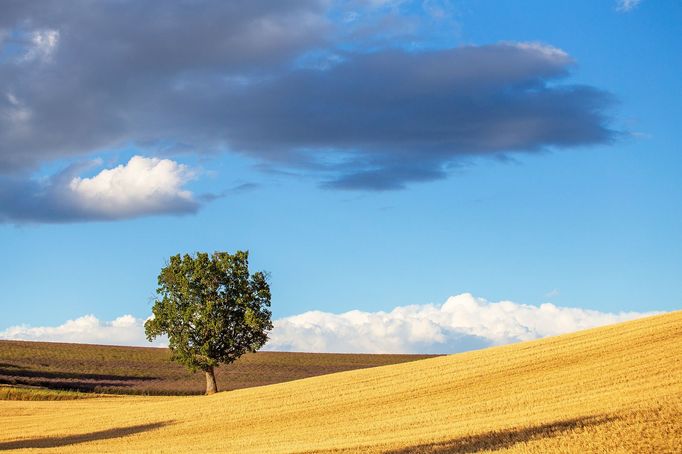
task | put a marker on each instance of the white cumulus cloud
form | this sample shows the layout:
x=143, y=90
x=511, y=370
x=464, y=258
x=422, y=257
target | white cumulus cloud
x=124, y=330
x=464, y=322
x=141, y=187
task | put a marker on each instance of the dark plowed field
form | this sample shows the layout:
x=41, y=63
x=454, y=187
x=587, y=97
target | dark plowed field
x=143, y=370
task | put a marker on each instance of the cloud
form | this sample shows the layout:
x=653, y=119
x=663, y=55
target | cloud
x=382, y=120
x=624, y=6
x=43, y=45
x=230, y=76
x=142, y=187
x=124, y=330
x=464, y=322
x=96, y=74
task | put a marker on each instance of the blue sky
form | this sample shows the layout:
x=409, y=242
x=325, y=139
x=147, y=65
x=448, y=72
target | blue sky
x=592, y=223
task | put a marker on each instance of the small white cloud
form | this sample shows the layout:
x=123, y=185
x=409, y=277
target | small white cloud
x=42, y=45
x=624, y=6
x=142, y=186
x=464, y=322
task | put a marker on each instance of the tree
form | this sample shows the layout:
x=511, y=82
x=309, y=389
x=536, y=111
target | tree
x=212, y=310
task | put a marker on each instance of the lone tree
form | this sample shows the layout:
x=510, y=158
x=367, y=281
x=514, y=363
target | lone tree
x=212, y=310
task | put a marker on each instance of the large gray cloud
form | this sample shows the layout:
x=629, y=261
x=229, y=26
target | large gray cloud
x=81, y=77
x=104, y=77
x=380, y=120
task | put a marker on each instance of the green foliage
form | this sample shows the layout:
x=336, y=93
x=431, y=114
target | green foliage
x=211, y=308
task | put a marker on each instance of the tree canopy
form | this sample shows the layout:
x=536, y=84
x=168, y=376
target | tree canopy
x=212, y=310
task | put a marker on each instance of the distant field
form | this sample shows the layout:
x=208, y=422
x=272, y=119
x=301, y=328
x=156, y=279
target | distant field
x=8, y=392
x=611, y=389
x=145, y=370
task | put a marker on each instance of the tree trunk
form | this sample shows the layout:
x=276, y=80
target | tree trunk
x=211, y=386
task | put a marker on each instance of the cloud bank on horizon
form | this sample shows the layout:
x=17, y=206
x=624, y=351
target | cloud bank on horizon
x=282, y=83
x=463, y=322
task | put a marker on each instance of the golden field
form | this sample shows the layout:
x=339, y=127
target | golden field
x=611, y=389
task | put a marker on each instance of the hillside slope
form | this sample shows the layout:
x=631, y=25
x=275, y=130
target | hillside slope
x=612, y=389
x=149, y=370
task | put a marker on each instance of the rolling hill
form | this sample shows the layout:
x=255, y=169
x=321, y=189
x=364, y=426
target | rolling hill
x=610, y=389
x=149, y=370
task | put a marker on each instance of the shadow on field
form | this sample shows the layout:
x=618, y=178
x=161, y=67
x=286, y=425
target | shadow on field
x=73, y=381
x=505, y=438
x=19, y=371
x=56, y=442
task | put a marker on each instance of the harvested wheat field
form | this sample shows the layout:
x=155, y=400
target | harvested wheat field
x=611, y=389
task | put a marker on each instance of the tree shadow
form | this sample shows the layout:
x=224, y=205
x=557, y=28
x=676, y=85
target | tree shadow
x=496, y=440
x=56, y=442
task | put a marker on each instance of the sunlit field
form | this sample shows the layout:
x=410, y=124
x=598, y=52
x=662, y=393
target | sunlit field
x=611, y=389
x=8, y=392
